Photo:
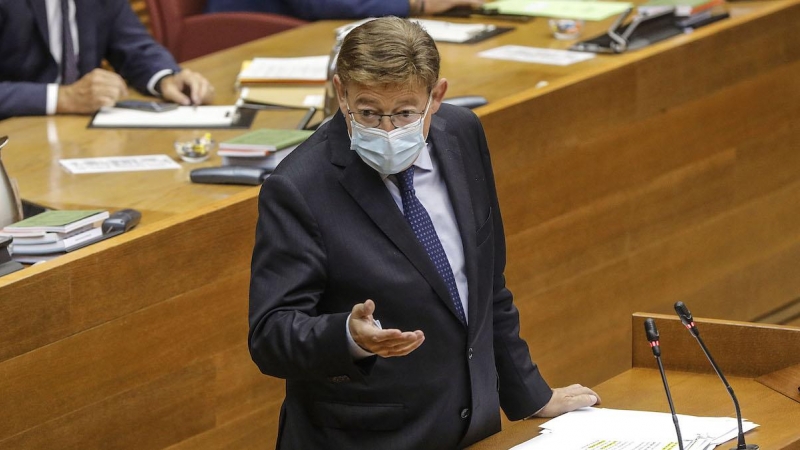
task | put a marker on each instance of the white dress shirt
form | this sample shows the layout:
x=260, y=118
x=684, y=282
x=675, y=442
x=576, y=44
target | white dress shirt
x=431, y=191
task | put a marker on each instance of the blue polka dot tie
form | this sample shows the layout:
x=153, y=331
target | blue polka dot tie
x=421, y=223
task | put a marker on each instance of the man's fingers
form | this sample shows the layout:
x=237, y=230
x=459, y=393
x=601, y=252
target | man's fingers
x=171, y=92
x=410, y=342
x=363, y=310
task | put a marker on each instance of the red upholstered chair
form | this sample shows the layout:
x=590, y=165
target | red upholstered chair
x=188, y=32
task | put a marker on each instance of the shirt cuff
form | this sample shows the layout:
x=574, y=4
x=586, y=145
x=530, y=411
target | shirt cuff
x=151, y=85
x=355, y=350
x=51, y=103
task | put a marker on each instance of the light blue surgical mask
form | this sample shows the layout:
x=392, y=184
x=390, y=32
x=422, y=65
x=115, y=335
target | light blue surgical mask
x=389, y=152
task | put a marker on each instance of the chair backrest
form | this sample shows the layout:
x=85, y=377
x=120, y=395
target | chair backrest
x=183, y=27
x=166, y=17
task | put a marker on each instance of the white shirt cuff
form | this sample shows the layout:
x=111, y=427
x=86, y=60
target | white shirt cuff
x=355, y=350
x=151, y=85
x=52, y=99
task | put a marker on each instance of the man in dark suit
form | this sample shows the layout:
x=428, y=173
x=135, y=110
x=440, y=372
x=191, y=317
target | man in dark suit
x=38, y=76
x=377, y=286
x=340, y=9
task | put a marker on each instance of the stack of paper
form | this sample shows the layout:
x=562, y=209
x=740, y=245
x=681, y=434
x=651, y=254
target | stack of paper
x=567, y=9
x=303, y=70
x=285, y=96
x=612, y=429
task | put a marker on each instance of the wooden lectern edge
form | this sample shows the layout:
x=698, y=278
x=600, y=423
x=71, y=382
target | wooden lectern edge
x=641, y=316
x=785, y=381
x=778, y=369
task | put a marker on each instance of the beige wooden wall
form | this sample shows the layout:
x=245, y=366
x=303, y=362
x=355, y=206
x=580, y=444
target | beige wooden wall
x=140, y=8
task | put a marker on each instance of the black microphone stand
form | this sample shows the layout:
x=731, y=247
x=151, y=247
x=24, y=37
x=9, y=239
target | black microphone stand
x=688, y=321
x=652, y=337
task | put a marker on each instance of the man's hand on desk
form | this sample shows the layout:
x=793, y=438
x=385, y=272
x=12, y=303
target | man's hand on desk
x=175, y=88
x=438, y=6
x=94, y=90
x=568, y=399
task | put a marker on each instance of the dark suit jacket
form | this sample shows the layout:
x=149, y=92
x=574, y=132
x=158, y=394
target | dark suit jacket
x=106, y=29
x=316, y=9
x=329, y=236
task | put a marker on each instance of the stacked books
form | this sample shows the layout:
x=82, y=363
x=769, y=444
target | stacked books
x=51, y=233
x=265, y=147
x=309, y=70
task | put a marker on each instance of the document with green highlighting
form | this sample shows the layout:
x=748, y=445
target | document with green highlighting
x=568, y=9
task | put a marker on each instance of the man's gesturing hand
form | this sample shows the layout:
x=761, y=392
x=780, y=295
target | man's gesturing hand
x=384, y=343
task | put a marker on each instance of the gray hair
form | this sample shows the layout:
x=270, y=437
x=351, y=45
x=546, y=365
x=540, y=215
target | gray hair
x=389, y=51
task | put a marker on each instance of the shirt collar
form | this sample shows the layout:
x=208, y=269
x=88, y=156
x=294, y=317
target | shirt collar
x=422, y=162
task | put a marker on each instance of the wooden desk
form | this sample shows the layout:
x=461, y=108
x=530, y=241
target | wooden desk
x=626, y=183
x=745, y=352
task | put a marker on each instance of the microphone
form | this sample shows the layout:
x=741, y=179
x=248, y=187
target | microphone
x=652, y=336
x=688, y=322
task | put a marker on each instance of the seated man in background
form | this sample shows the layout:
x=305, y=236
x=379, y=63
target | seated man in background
x=341, y=9
x=42, y=72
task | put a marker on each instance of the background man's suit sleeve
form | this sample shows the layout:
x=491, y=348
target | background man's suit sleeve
x=22, y=99
x=132, y=51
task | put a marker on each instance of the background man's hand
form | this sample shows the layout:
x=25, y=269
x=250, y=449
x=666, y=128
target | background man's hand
x=94, y=90
x=384, y=343
x=186, y=88
x=568, y=399
x=437, y=6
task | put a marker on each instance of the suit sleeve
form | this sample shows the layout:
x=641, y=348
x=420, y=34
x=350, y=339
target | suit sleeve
x=288, y=338
x=133, y=53
x=22, y=99
x=348, y=9
x=523, y=390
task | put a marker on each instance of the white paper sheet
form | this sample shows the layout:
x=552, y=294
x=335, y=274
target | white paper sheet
x=621, y=429
x=536, y=55
x=183, y=116
x=119, y=164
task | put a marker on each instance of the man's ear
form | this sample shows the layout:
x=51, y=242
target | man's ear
x=340, y=93
x=437, y=95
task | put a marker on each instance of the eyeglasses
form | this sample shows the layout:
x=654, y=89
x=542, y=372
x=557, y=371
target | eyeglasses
x=372, y=119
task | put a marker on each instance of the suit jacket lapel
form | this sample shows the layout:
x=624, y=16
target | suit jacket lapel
x=366, y=187
x=40, y=13
x=451, y=163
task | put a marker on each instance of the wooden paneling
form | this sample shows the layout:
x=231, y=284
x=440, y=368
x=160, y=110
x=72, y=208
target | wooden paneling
x=655, y=182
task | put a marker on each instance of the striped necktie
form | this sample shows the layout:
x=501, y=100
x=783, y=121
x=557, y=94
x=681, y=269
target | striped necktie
x=69, y=62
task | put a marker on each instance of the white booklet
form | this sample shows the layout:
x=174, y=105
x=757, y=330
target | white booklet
x=536, y=55
x=119, y=164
